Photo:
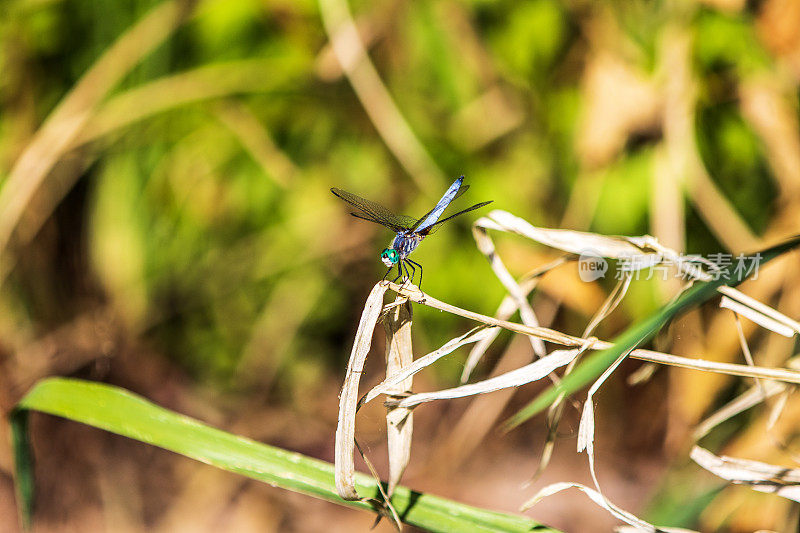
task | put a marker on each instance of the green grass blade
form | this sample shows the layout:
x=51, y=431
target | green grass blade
x=640, y=332
x=23, y=465
x=119, y=411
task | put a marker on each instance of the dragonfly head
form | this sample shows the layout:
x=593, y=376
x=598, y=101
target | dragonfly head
x=390, y=257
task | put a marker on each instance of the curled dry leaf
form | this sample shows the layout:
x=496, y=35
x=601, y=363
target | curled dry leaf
x=348, y=399
x=575, y=242
x=399, y=421
x=637, y=523
x=532, y=372
x=759, y=476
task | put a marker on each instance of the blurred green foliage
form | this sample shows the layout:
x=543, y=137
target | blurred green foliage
x=191, y=235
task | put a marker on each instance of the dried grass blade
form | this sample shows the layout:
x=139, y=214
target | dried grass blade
x=479, y=349
x=600, y=500
x=779, y=374
x=399, y=421
x=642, y=374
x=546, y=334
x=504, y=311
x=639, y=252
x=756, y=316
x=586, y=428
x=778, y=409
x=387, y=386
x=759, y=476
x=393, y=128
x=554, y=413
x=586, y=438
x=65, y=122
x=556, y=337
x=661, y=529
x=214, y=80
x=528, y=373
x=556, y=410
x=611, y=303
x=764, y=309
x=348, y=399
x=384, y=507
x=750, y=398
x=748, y=356
x=576, y=242
x=486, y=246
x=644, y=330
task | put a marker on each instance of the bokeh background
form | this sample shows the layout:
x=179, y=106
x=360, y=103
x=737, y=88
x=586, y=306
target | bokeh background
x=166, y=225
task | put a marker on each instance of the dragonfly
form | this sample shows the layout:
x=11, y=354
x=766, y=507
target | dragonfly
x=409, y=231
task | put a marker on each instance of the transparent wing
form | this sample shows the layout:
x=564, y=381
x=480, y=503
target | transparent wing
x=429, y=219
x=374, y=212
x=432, y=228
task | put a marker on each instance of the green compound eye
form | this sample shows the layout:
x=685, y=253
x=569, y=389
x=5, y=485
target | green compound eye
x=390, y=256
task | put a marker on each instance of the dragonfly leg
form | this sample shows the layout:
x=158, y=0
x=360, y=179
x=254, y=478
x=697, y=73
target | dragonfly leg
x=387, y=273
x=410, y=268
x=420, y=271
x=399, y=272
x=404, y=271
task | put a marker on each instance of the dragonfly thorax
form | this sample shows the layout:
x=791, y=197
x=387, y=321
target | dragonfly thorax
x=402, y=245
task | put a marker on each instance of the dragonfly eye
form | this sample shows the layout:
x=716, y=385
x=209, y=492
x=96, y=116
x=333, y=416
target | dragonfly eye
x=389, y=256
